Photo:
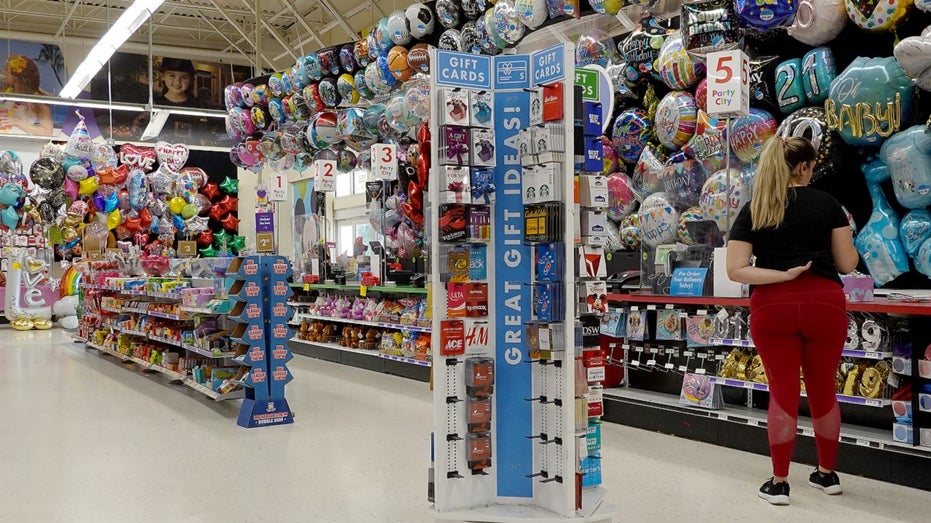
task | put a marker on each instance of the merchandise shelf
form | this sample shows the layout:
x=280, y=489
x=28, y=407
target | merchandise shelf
x=166, y=341
x=367, y=352
x=205, y=352
x=413, y=328
x=198, y=310
x=842, y=398
x=357, y=288
x=212, y=394
x=879, y=305
x=166, y=315
x=850, y=353
x=130, y=332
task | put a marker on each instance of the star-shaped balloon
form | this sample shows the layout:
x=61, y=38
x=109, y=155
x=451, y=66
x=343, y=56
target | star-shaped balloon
x=196, y=224
x=228, y=203
x=210, y=190
x=230, y=185
x=205, y=238
x=216, y=212
x=238, y=243
x=230, y=222
x=221, y=239
x=208, y=252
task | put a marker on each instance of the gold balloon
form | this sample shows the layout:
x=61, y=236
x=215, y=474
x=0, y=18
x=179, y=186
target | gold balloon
x=114, y=219
x=88, y=185
x=864, y=119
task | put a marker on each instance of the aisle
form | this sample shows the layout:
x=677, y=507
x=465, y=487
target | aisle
x=82, y=439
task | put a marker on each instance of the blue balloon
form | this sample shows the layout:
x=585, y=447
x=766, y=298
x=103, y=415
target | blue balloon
x=818, y=71
x=790, y=93
x=137, y=192
x=177, y=221
x=765, y=16
x=11, y=193
x=683, y=178
x=111, y=202
x=907, y=154
x=923, y=258
x=9, y=217
x=878, y=242
x=914, y=230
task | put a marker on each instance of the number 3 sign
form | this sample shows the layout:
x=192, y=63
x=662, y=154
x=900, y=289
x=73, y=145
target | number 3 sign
x=385, y=161
x=728, y=84
x=325, y=175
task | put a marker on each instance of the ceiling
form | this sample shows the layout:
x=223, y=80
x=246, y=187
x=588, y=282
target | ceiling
x=208, y=29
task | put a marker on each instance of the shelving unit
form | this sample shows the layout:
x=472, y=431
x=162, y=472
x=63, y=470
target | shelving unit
x=850, y=353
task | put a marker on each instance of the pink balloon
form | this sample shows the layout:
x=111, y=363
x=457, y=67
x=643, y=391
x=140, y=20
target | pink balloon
x=71, y=188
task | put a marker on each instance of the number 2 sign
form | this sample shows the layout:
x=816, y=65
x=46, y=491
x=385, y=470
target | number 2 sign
x=728, y=84
x=325, y=175
x=385, y=161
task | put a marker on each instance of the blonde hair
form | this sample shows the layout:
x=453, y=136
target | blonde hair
x=775, y=172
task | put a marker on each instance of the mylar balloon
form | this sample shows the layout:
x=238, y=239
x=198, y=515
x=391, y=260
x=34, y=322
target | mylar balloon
x=631, y=132
x=818, y=71
x=690, y=215
x=648, y=172
x=595, y=47
x=870, y=101
x=878, y=242
x=709, y=140
x=682, y=179
x=914, y=230
x=810, y=123
x=88, y=186
x=817, y=22
x=676, y=119
x=621, y=198
x=708, y=26
x=420, y=20
x=641, y=48
x=907, y=155
x=676, y=68
x=508, y=25
x=171, y=155
x=914, y=55
x=765, y=16
x=878, y=15
x=722, y=197
x=659, y=221
x=630, y=232
x=47, y=173
x=398, y=29
x=9, y=217
x=789, y=86
x=923, y=259
x=10, y=193
x=749, y=133
x=762, y=81
x=79, y=144
x=532, y=13
x=447, y=12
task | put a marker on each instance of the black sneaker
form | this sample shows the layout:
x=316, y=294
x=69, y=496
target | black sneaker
x=775, y=493
x=829, y=482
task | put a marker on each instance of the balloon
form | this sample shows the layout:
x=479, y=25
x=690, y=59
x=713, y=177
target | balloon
x=221, y=239
x=611, y=162
x=914, y=230
x=907, y=155
x=196, y=225
x=629, y=230
x=818, y=71
x=78, y=207
x=113, y=175
x=676, y=119
x=765, y=16
x=631, y=132
x=690, y=215
x=145, y=217
x=648, y=172
x=682, y=179
x=208, y=251
x=205, y=239
x=230, y=185
x=923, y=5
x=914, y=55
x=709, y=140
x=189, y=211
x=676, y=68
x=47, y=173
x=641, y=49
x=210, y=190
x=877, y=15
x=748, y=133
x=817, y=22
x=138, y=157
x=228, y=203
x=12, y=166
x=722, y=197
x=133, y=224
x=810, y=123
x=709, y=26
x=9, y=217
x=532, y=13
x=701, y=94
x=216, y=212
x=870, y=101
x=878, y=242
x=230, y=222
x=789, y=86
x=176, y=204
x=79, y=143
x=762, y=81
x=595, y=47
x=88, y=186
x=110, y=202
x=237, y=243
x=659, y=221
x=71, y=189
x=923, y=258
x=621, y=199
x=508, y=25
x=420, y=20
x=114, y=218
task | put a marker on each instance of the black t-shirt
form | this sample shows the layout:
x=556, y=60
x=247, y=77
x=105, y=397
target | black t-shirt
x=804, y=235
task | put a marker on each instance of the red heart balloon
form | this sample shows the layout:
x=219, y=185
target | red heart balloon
x=423, y=168
x=135, y=156
x=210, y=190
x=133, y=223
x=230, y=223
x=145, y=218
x=205, y=238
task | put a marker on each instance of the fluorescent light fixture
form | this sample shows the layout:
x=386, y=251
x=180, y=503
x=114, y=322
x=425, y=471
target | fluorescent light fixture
x=124, y=27
x=187, y=111
x=156, y=122
x=88, y=104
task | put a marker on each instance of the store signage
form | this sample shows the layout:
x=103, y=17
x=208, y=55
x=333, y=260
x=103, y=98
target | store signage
x=264, y=222
x=688, y=281
x=728, y=84
x=264, y=232
x=325, y=175
x=463, y=70
x=277, y=187
x=512, y=71
x=588, y=79
x=385, y=161
x=548, y=65
x=512, y=302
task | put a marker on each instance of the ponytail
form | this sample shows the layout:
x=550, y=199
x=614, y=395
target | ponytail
x=779, y=158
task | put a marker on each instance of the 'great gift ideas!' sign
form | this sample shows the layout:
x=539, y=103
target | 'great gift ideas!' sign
x=728, y=84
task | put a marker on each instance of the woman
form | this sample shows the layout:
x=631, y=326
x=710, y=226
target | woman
x=801, y=239
x=22, y=77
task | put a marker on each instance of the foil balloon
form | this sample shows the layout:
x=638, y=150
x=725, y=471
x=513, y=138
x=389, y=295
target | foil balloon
x=417, y=94
x=676, y=119
x=606, y=7
x=749, y=133
x=12, y=166
x=690, y=215
x=763, y=81
x=113, y=175
x=765, y=16
x=532, y=13
x=57, y=198
x=923, y=259
x=915, y=229
x=623, y=88
x=659, y=221
x=648, y=172
x=878, y=242
x=878, y=15
x=71, y=189
x=418, y=58
x=473, y=9
x=709, y=140
x=595, y=47
x=641, y=49
x=818, y=71
x=683, y=178
x=104, y=156
x=79, y=143
x=621, y=198
x=176, y=204
x=10, y=217
x=907, y=155
x=923, y=5
x=230, y=222
x=450, y=40
x=171, y=155
x=612, y=163
x=869, y=101
x=818, y=22
x=676, y=68
x=447, y=13
x=114, y=218
x=613, y=237
x=630, y=133
x=629, y=231
x=722, y=197
x=914, y=55
x=88, y=186
x=701, y=94
x=507, y=23
x=810, y=123
x=709, y=26
x=420, y=20
x=47, y=173
x=791, y=95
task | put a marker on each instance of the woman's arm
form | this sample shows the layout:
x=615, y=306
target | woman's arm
x=845, y=254
x=42, y=125
x=740, y=270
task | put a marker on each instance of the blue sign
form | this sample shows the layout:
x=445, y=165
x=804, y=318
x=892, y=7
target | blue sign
x=467, y=70
x=513, y=377
x=549, y=64
x=512, y=72
x=688, y=281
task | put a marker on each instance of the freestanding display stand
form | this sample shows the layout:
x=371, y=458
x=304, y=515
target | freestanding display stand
x=511, y=433
x=262, y=312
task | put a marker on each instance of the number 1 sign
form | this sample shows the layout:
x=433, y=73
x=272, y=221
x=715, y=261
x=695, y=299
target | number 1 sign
x=385, y=161
x=728, y=84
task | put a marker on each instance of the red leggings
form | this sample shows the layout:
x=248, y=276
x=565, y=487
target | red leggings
x=801, y=323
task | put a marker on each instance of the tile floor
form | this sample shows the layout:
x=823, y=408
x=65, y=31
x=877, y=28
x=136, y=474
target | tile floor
x=84, y=440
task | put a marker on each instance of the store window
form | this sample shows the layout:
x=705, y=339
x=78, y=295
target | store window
x=348, y=232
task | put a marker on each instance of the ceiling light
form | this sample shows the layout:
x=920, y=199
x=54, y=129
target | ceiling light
x=88, y=104
x=124, y=27
x=205, y=113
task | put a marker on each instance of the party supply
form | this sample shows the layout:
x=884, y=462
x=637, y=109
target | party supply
x=878, y=242
x=676, y=119
x=676, y=68
x=621, y=197
x=708, y=26
x=641, y=49
x=420, y=20
x=46, y=173
x=914, y=55
x=648, y=172
x=915, y=229
x=749, y=133
x=765, y=16
x=595, y=47
x=447, y=13
x=791, y=92
x=907, y=155
x=722, y=197
x=532, y=13
x=629, y=231
x=139, y=157
x=507, y=24
x=658, y=221
x=631, y=132
x=879, y=105
x=878, y=15
x=818, y=71
x=173, y=156
x=682, y=179
x=690, y=215
x=811, y=123
x=709, y=140
x=450, y=40
x=817, y=22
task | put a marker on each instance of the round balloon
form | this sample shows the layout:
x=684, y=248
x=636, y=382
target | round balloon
x=710, y=139
x=878, y=15
x=812, y=124
x=818, y=22
x=923, y=258
x=447, y=12
x=765, y=16
x=532, y=13
x=907, y=155
x=397, y=63
x=683, y=178
x=659, y=221
x=723, y=196
x=690, y=215
x=914, y=230
x=676, y=119
x=621, y=198
x=47, y=173
x=420, y=20
x=630, y=232
x=398, y=29
x=595, y=47
x=676, y=68
x=648, y=172
x=641, y=49
x=508, y=25
x=450, y=40
x=749, y=133
x=631, y=131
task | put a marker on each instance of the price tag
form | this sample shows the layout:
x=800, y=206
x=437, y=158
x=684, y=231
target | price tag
x=683, y=368
x=669, y=351
x=699, y=371
x=277, y=187
x=306, y=286
x=638, y=349
x=668, y=306
x=702, y=356
x=893, y=381
x=363, y=290
x=651, y=307
x=719, y=357
x=651, y=362
x=863, y=443
x=325, y=175
x=634, y=363
x=728, y=84
x=625, y=347
x=635, y=308
x=688, y=354
x=669, y=366
x=748, y=384
x=385, y=161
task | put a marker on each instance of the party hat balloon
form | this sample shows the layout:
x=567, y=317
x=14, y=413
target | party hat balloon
x=79, y=144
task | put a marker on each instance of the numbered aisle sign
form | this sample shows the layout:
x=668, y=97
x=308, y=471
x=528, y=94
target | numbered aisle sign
x=385, y=161
x=728, y=84
x=325, y=175
x=277, y=190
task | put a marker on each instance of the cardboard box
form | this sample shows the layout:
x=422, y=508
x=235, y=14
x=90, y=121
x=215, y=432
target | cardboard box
x=593, y=191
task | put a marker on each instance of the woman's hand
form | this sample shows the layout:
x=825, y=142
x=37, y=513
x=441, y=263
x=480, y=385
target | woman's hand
x=795, y=272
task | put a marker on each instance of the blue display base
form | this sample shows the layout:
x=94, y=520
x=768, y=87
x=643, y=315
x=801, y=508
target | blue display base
x=264, y=413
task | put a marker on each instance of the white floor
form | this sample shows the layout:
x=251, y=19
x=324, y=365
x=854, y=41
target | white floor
x=84, y=439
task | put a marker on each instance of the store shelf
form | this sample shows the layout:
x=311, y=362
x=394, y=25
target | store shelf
x=879, y=305
x=866, y=354
x=212, y=394
x=111, y=309
x=842, y=398
x=356, y=288
x=207, y=353
x=138, y=310
x=166, y=341
x=146, y=366
x=413, y=328
x=373, y=353
x=157, y=314
x=130, y=332
x=198, y=310
x=722, y=342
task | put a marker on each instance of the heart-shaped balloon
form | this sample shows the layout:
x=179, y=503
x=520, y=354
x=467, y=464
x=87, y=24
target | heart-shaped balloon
x=171, y=155
x=138, y=157
x=133, y=224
